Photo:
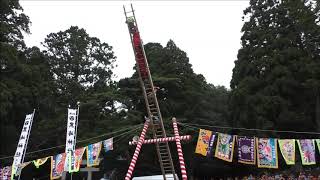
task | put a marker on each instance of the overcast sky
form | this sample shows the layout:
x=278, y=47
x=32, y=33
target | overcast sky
x=208, y=31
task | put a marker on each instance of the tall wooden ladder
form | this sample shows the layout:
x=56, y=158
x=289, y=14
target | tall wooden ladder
x=154, y=114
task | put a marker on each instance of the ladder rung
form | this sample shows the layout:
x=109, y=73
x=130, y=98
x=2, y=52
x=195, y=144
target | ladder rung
x=159, y=136
x=164, y=151
x=165, y=160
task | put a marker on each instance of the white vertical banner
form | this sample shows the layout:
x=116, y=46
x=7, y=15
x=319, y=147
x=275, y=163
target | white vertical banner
x=71, y=138
x=22, y=143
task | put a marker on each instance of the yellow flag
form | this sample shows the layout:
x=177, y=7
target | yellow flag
x=40, y=161
x=203, y=141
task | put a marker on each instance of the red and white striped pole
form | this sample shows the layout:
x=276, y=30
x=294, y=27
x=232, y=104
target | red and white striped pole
x=166, y=139
x=137, y=151
x=179, y=149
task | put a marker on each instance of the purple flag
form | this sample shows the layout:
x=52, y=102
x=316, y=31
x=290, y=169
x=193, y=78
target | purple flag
x=246, y=150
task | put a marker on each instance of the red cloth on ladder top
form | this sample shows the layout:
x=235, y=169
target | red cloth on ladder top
x=136, y=39
x=139, y=55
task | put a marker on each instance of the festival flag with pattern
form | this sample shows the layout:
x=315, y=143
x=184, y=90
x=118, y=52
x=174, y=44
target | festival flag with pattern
x=108, y=144
x=5, y=173
x=307, y=151
x=75, y=164
x=225, y=147
x=246, y=150
x=40, y=161
x=203, y=142
x=57, y=165
x=267, y=153
x=288, y=150
x=210, y=147
x=93, y=152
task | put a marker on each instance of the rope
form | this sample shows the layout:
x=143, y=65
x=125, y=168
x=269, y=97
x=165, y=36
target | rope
x=59, y=146
x=120, y=139
x=196, y=126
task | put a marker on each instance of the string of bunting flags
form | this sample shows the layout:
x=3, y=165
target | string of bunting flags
x=262, y=152
x=69, y=161
x=58, y=162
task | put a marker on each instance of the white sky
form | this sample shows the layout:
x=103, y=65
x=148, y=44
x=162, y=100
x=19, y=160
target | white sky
x=208, y=31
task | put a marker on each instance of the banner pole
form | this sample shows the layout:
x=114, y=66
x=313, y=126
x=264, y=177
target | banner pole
x=75, y=136
x=25, y=148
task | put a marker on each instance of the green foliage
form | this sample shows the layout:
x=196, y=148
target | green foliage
x=12, y=22
x=183, y=94
x=271, y=82
x=27, y=85
x=15, y=94
x=78, y=62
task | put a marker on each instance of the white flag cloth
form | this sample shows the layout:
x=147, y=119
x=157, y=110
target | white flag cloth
x=23, y=141
x=108, y=144
x=71, y=136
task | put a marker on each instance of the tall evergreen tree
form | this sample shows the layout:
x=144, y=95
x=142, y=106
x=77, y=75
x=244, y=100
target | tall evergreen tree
x=12, y=23
x=82, y=68
x=182, y=93
x=17, y=86
x=279, y=58
x=78, y=61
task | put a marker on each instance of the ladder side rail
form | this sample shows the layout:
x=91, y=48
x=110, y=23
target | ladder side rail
x=149, y=77
x=154, y=99
x=144, y=90
x=157, y=106
x=138, y=68
x=145, y=94
x=161, y=125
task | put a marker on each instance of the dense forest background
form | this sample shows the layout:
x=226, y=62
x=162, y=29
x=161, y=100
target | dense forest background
x=275, y=85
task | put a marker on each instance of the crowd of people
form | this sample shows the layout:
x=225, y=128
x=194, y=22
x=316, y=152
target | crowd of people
x=310, y=174
x=301, y=176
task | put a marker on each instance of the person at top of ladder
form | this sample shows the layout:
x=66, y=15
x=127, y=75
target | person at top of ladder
x=131, y=25
x=137, y=46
